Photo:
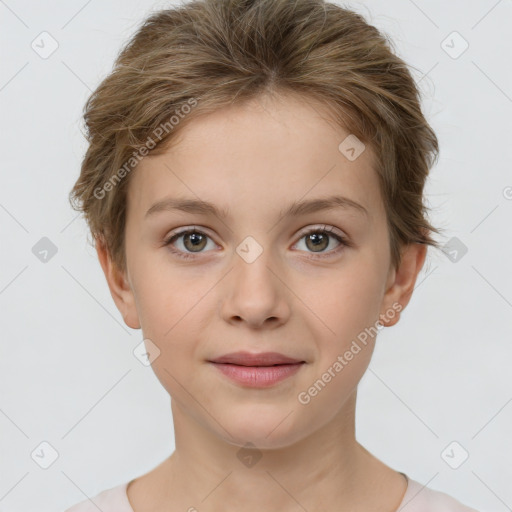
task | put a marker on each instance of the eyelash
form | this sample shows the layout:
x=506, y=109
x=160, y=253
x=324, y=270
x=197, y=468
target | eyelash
x=341, y=239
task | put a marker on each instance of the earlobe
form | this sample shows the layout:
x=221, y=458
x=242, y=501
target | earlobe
x=119, y=286
x=399, y=289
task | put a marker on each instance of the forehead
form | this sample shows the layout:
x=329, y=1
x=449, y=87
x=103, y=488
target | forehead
x=265, y=153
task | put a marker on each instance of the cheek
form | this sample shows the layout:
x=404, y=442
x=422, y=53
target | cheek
x=348, y=301
x=173, y=312
x=170, y=310
x=345, y=340
x=166, y=298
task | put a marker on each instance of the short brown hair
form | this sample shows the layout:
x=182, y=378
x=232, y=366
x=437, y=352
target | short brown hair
x=207, y=54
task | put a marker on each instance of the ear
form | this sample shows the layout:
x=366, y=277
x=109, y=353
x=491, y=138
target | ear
x=119, y=286
x=400, y=283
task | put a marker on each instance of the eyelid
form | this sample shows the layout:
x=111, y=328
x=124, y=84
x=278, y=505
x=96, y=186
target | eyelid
x=329, y=229
x=177, y=233
x=321, y=227
x=332, y=231
x=184, y=230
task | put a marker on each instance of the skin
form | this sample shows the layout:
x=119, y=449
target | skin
x=254, y=160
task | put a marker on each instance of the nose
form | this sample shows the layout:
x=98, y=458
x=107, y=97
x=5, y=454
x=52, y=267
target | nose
x=254, y=294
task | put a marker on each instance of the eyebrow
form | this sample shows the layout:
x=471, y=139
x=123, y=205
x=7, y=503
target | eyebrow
x=296, y=208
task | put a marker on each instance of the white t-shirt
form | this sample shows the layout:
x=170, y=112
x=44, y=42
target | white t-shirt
x=417, y=498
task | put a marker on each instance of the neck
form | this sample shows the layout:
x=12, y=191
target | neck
x=326, y=470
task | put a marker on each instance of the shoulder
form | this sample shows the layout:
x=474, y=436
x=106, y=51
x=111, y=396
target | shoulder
x=419, y=498
x=109, y=500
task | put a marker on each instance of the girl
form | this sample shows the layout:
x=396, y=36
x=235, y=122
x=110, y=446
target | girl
x=254, y=186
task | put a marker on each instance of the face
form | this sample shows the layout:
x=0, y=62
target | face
x=252, y=277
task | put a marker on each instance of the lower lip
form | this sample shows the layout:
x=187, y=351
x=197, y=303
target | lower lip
x=258, y=376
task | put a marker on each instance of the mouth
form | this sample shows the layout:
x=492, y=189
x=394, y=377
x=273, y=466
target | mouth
x=256, y=359
x=257, y=370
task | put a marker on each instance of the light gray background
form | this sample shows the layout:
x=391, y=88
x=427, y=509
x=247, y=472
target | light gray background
x=68, y=375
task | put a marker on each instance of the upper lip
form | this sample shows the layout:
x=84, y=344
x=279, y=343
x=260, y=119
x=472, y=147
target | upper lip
x=259, y=359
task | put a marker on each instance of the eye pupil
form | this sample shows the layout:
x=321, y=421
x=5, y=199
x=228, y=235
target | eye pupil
x=317, y=240
x=196, y=239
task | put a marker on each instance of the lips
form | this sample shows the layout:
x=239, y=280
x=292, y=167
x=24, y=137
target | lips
x=256, y=359
x=262, y=370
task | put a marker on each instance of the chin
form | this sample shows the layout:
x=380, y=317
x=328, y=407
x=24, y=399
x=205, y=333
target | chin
x=264, y=431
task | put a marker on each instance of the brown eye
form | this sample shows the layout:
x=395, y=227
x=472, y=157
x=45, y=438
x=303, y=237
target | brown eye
x=317, y=242
x=194, y=241
x=187, y=242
